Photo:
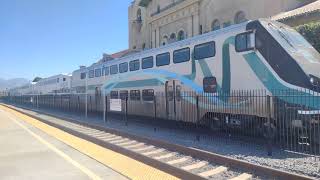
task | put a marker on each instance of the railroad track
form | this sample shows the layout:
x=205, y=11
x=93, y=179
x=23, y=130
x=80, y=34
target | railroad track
x=180, y=161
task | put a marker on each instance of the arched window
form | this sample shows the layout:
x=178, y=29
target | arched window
x=240, y=17
x=158, y=9
x=215, y=25
x=181, y=35
x=173, y=37
x=139, y=16
x=164, y=40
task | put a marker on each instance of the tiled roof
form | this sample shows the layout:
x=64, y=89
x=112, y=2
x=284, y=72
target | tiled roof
x=307, y=9
x=120, y=54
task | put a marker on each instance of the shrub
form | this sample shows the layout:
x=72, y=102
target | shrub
x=311, y=32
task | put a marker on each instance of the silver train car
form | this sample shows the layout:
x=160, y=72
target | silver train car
x=261, y=54
x=56, y=84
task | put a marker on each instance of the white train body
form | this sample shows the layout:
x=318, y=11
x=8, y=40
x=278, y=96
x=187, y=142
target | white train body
x=53, y=85
x=255, y=55
x=263, y=55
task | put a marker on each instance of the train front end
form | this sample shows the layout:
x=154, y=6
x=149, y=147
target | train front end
x=289, y=68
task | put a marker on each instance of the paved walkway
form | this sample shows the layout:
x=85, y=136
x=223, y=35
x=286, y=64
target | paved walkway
x=117, y=162
x=28, y=153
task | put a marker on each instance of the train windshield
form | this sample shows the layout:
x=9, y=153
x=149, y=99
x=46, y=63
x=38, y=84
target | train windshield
x=305, y=55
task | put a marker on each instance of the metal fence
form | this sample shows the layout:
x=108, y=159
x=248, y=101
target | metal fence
x=289, y=119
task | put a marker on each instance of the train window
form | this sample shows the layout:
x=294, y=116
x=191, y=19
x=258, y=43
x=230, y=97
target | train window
x=135, y=95
x=83, y=75
x=210, y=85
x=105, y=71
x=163, y=59
x=114, y=95
x=205, y=50
x=114, y=69
x=148, y=94
x=124, y=94
x=245, y=42
x=123, y=67
x=91, y=74
x=97, y=72
x=134, y=65
x=147, y=62
x=181, y=55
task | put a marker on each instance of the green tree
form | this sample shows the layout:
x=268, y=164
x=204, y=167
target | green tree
x=311, y=32
x=36, y=79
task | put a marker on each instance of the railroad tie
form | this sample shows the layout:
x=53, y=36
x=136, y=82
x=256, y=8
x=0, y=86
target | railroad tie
x=153, y=152
x=213, y=172
x=106, y=136
x=126, y=143
x=165, y=156
x=112, y=138
x=97, y=134
x=119, y=141
x=177, y=161
x=90, y=132
x=143, y=148
x=243, y=176
x=195, y=166
x=134, y=145
x=78, y=129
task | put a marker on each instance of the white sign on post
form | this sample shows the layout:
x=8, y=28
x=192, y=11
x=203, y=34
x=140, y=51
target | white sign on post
x=115, y=105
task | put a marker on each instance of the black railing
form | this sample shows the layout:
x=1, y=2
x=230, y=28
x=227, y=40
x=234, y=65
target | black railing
x=289, y=119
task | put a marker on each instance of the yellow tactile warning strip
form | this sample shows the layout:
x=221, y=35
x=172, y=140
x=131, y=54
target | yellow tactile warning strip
x=85, y=170
x=129, y=167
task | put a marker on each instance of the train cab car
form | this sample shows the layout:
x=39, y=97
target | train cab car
x=58, y=84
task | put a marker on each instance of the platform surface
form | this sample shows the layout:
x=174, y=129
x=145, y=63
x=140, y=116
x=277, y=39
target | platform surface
x=39, y=151
x=28, y=153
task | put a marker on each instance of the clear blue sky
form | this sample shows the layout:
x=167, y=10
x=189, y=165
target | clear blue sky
x=48, y=37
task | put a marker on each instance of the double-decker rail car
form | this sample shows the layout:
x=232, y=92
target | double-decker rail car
x=53, y=85
x=204, y=73
x=260, y=54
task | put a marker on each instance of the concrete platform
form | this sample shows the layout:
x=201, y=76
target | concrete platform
x=28, y=153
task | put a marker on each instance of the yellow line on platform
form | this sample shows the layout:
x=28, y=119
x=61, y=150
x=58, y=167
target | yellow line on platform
x=118, y=162
x=86, y=171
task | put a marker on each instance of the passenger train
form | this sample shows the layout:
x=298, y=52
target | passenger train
x=260, y=54
x=52, y=85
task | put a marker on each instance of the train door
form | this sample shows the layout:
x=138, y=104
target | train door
x=173, y=99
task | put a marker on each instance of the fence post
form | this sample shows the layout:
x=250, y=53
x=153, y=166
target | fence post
x=155, y=112
x=126, y=111
x=37, y=101
x=269, y=133
x=105, y=108
x=69, y=103
x=198, y=118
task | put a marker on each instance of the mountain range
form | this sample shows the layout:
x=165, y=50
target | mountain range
x=12, y=83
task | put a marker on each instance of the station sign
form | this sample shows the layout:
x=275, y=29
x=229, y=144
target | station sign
x=115, y=105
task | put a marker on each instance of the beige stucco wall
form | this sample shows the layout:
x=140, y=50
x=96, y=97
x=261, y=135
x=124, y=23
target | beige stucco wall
x=189, y=15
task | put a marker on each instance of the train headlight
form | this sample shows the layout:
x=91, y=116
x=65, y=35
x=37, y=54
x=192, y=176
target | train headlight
x=312, y=80
x=315, y=81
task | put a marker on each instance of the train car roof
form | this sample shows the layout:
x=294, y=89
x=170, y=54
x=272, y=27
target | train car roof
x=171, y=45
x=177, y=44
